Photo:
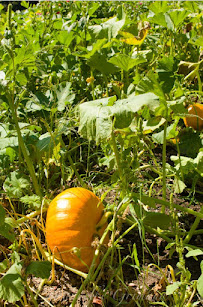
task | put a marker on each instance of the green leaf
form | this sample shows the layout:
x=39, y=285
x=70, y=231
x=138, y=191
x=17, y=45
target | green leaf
x=188, y=137
x=95, y=120
x=172, y=288
x=152, y=124
x=159, y=7
x=198, y=41
x=15, y=185
x=11, y=286
x=177, y=16
x=47, y=142
x=65, y=37
x=2, y=215
x=64, y=96
x=170, y=133
x=109, y=29
x=194, y=253
x=8, y=142
x=125, y=62
x=125, y=109
x=200, y=285
x=191, y=6
x=159, y=19
x=99, y=61
x=150, y=83
x=179, y=185
x=199, y=162
x=6, y=231
x=186, y=164
x=33, y=201
x=25, y=4
x=96, y=47
x=39, y=269
x=96, y=117
x=166, y=64
x=4, y=265
x=157, y=219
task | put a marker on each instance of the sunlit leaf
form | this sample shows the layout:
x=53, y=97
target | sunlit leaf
x=11, y=286
x=133, y=40
x=125, y=62
x=15, y=185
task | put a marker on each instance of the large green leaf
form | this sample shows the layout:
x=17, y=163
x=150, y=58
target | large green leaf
x=39, y=269
x=99, y=61
x=175, y=17
x=11, y=286
x=157, y=219
x=159, y=7
x=109, y=29
x=150, y=83
x=125, y=62
x=95, y=120
x=97, y=117
x=65, y=37
x=159, y=19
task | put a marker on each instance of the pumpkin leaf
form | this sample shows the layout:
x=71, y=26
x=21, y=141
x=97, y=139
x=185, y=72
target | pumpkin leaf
x=125, y=62
x=11, y=286
x=97, y=117
x=39, y=269
x=32, y=200
x=64, y=96
x=15, y=185
x=157, y=219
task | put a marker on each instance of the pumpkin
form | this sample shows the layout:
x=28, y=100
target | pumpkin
x=195, y=116
x=71, y=226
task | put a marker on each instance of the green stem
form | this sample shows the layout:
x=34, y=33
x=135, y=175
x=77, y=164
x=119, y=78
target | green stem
x=193, y=228
x=151, y=202
x=25, y=153
x=118, y=162
x=30, y=216
x=199, y=81
x=164, y=166
x=76, y=172
x=31, y=294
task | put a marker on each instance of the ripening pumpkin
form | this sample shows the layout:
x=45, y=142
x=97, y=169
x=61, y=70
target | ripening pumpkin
x=195, y=116
x=71, y=222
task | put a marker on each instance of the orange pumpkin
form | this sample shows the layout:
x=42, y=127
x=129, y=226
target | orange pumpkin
x=71, y=222
x=195, y=116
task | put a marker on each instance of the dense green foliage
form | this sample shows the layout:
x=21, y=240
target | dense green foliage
x=90, y=93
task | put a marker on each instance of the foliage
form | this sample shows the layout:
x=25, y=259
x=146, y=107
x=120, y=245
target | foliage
x=95, y=94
